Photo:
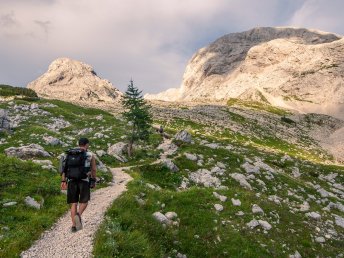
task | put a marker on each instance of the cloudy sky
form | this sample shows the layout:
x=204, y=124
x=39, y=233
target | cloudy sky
x=150, y=41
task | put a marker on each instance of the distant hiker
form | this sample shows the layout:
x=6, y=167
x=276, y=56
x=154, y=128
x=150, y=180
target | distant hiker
x=161, y=129
x=78, y=171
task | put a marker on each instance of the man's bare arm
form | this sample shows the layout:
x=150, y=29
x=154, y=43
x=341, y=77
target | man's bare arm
x=93, y=167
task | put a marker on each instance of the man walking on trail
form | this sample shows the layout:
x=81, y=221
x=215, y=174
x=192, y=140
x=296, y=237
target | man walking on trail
x=78, y=176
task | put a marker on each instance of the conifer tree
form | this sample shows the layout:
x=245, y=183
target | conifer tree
x=136, y=113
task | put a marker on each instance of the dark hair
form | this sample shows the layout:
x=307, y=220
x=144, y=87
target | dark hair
x=83, y=141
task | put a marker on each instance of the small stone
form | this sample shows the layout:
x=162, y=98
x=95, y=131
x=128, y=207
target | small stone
x=9, y=204
x=240, y=213
x=171, y=215
x=236, y=202
x=218, y=207
x=190, y=156
x=31, y=202
x=183, y=136
x=256, y=209
x=265, y=225
x=242, y=180
x=160, y=217
x=339, y=221
x=220, y=165
x=320, y=240
x=305, y=206
x=313, y=215
x=296, y=172
x=170, y=165
x=222, y=198
x=253, y=223
x=295, y=255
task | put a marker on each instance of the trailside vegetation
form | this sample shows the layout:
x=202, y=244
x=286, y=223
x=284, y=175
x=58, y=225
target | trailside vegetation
x=137, y=116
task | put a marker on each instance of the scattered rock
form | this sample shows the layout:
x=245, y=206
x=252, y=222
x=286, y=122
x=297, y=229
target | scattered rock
x=160, y=217
x=296, y=172
x=265, y=225
x=4, y=120
x=168, y=148
x=339, y=221
x=295, y=255
x=286, y=158
x=170, y=165
x=100, y=153
x=29, y=201
x=190, y=156
x=221, y=165
x=8, y=204
x=57, y=124
x=140, y=201
x=222, y=198
x=99, y=117
x=204, y=177
x=323, y=193
x=171, y=215
x=218, y=207
x=99, y=135
x=180, y=255
x=337, y=206
x=313, y=215
x=320, y=240
x=253, y=223
x=256, y=209
x=236, y=202
x=43, y=162
x=240, y=213
x=183, y=136
x=305, y=206
x=213, y=146
x=52, y=140
x=250, y=169
x=27, y=152
x=117, y=150
x=85, y=131
x=242, y=180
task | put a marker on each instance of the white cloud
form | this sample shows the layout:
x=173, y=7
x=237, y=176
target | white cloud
x=321, y=14
x=149, y=40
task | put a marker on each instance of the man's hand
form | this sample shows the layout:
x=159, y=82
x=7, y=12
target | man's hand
x=64, y=185
x=92, y=182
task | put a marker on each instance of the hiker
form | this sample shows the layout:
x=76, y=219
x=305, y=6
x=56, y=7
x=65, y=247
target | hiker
x=78, y=176
x=161, y=130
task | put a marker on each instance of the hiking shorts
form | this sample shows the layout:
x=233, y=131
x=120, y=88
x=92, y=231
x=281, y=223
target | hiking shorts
x=78, y=191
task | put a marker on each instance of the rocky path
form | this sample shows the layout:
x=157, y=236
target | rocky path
x=60, y=242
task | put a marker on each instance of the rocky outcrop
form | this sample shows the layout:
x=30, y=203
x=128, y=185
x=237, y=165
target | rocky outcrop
x=4, y=121
x=27, y=152
x=287, y=67
x=117, y=150
x=71, y=80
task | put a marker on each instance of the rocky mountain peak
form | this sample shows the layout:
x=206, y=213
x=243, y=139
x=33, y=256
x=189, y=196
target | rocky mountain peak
x=72, y=80
x=290, y=67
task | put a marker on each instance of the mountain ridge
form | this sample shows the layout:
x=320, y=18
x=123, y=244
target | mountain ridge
x=72, y=80
x=295, y=68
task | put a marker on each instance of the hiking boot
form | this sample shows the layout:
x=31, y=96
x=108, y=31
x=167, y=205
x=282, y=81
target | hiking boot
x=73, y=229
x=78, y=221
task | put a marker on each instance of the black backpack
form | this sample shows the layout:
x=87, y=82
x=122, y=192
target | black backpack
x=75, y=164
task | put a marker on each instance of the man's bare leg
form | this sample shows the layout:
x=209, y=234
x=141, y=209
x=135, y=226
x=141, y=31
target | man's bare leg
x=73, y=211
x=82, y=207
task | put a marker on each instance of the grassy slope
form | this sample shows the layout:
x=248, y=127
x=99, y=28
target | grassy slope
x=20, y=225
x=131, y=231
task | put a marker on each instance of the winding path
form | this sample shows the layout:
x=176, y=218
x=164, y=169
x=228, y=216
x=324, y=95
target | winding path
x=60, y=242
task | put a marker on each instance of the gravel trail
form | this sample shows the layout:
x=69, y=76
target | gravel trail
x=60, y=242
